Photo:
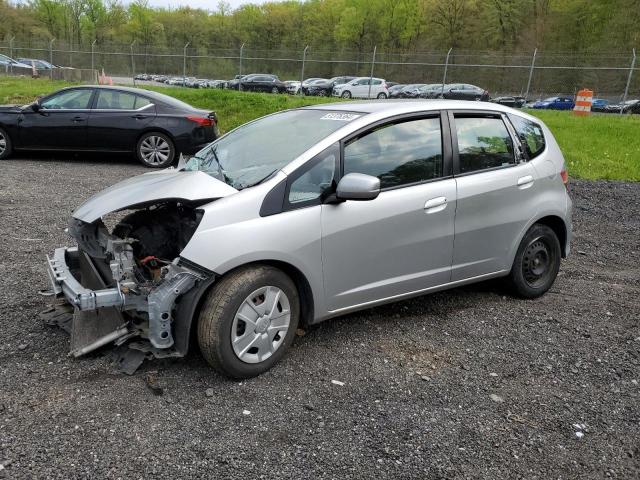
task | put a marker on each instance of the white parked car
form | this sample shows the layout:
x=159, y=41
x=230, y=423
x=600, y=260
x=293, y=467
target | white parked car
x=359, y=88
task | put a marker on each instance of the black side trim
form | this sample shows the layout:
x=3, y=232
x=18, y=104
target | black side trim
x=273, y=202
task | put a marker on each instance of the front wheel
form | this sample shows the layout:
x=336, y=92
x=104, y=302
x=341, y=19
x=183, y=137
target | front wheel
x=346, y=94
x=5, y=145
x=155, y=150
x=537, y=262
x=248, y=321
x=274, y=90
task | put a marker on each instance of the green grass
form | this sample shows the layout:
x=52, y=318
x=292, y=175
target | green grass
x=598, y=146
x=595, y=147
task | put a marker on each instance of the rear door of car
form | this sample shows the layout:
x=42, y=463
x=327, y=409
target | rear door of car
x=60, y=123
x=402, y=241
x=495, y=192
x=117, y=119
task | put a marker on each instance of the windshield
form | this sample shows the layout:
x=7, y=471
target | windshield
x=551, y=99
x=255, y=151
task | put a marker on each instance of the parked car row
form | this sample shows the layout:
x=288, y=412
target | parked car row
x=21, y=62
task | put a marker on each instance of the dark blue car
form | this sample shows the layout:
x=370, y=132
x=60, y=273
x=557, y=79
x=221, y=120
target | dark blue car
x=555, y=103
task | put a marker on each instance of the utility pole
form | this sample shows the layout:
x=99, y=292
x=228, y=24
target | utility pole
x=446, y=66
x=184, y=65
x=304, y=57
x=533, y=64
x=373, y=63
x=626, y=90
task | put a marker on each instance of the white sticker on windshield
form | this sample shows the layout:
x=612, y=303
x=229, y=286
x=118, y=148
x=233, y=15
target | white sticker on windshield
x=343, y=117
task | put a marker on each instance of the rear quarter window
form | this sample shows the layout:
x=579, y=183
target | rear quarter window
x=530, y=134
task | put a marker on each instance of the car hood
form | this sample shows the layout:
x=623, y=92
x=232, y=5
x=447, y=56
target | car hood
x=150, y=188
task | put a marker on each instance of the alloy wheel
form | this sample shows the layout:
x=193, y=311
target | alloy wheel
x=3, y=143
x=260, y=324
x=154, y=150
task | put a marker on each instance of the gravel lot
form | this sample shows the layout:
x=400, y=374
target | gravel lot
x=469, y=383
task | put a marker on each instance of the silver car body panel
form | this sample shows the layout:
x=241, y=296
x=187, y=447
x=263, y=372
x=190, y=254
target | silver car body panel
x=169, y=184
x=349, y=268
x=353, y=255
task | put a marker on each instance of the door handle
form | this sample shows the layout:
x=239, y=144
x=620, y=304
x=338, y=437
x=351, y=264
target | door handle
x=525, y=182
x=435, y=205
x=78, y=119
x=139, y=116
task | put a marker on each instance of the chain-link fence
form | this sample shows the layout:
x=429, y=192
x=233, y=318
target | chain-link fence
x=534, y=74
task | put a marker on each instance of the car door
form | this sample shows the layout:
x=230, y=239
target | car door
x=360, y=88
x=495, y=189
x=60, y=123
x=117, y=119
x=402, y=241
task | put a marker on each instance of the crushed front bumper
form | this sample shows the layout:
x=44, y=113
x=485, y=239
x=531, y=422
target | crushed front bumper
x=64, y=282
x=103, y=314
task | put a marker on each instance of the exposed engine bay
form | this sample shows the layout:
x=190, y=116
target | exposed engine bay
x=126, y=284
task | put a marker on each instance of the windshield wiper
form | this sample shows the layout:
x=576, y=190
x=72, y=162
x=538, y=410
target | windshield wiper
x=242, y=187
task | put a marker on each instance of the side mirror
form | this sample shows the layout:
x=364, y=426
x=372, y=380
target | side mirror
x=358, y=186
x=35, y=106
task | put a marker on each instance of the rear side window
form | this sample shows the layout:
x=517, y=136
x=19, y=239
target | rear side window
x=483, y=142
x=398, y=154
x=530, y=134
x=115, y=100
x=141, y=102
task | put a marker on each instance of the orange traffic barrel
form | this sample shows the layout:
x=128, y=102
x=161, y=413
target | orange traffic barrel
x=583, y=102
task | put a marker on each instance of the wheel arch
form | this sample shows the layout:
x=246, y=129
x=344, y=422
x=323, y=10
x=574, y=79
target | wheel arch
x=188, y=310
x=559, y=227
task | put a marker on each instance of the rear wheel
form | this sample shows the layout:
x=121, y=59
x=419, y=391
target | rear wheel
x=155, y=150
x=248, y=320
x=537, y=262
x=5, y=145
x=381, y=96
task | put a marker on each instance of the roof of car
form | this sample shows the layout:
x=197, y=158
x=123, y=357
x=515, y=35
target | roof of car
x=408, y=106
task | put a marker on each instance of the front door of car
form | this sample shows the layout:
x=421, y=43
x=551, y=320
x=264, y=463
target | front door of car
x=60, y=122
x=117, y=119
x=495, y=194
x=361, y=88
x=402, y=241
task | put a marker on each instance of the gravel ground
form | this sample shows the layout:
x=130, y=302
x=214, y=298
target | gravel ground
x=469, y=383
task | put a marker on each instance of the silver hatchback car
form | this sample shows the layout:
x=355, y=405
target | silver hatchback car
x=311, y=213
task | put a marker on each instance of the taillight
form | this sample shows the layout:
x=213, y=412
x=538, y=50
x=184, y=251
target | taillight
x=564, y=174
x=202, y=121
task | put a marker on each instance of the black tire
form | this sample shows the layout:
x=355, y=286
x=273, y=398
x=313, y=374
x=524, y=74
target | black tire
x=537, y=262
x=6, y=148
x=275, y=90
x=381, y=96
x=346, y=94
x=219, y=310
x=147, y=140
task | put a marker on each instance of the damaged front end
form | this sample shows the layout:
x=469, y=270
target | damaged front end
x=129, y=286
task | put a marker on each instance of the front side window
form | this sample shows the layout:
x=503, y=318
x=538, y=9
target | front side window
x=316, y=181
x=253, y=152
x=398, y=154
x=69, y=99
x=115, y=100
x=530, y=134
x=483, y=142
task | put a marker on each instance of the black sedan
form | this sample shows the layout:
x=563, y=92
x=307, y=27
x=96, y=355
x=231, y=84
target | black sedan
x=262, y=83
x=510, y=101
x=462, y=91
x=114, y=119
x=324, y=88
x=630, y=106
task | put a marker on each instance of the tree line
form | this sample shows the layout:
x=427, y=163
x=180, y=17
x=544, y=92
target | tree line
x=399, y=26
